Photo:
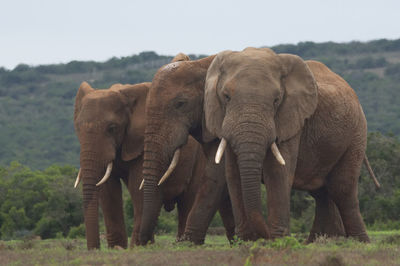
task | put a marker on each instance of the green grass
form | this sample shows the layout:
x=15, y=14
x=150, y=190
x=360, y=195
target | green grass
x=384, y=249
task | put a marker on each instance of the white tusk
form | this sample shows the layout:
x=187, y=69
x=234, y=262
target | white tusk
x=220, y=151
x=106, y=175
x=171, y=167
x=141, y=185
x=277, y=154
x=78, y=179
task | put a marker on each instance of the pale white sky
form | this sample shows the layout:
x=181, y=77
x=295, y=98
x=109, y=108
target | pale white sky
x=53, y=31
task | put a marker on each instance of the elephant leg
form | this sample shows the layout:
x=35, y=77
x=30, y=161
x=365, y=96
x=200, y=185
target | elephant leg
x=327, y=219
x=185, y=204
x=133, y=183
x=278, y=182
x=137, y=215
x=207, y=199
x=342, y=185
x=111, y=204
x=183, y=212
x=242, y=227
x=203, y=210
x=278, y=203
x=225, y=210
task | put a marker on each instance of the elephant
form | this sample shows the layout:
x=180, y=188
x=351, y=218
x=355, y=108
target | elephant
x=175, y=111
x=110, y=126
x=169, y=119
x=293, y=124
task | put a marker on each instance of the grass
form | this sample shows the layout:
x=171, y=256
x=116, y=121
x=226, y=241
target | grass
x=384, y=249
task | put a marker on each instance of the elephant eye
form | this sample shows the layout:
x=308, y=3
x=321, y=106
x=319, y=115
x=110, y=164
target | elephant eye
x=276, y=101
x=227, y=97
x=179, y=104
x=112, y=128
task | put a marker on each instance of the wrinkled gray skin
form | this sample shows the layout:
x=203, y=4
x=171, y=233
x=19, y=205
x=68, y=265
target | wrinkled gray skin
x=254, y=98
x=174, y=111
x=110, y=127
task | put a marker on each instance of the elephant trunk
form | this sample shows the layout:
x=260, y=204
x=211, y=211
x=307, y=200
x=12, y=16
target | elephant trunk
x=250, y=147
x=153, y=166
x=91, y=170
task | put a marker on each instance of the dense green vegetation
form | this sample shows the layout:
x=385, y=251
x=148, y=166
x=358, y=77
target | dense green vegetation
x=36, y=129
x=36, y=103
x=38, y=202
x=44, y=202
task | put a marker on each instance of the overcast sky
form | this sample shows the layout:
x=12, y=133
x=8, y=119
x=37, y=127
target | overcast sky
x=53, y=31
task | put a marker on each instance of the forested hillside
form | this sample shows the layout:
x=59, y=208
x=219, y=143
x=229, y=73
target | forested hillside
x=36, y=103
x=36, y=129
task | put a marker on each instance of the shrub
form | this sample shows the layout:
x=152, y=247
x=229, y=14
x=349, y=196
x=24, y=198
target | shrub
x=77, y=231
x=47, y=228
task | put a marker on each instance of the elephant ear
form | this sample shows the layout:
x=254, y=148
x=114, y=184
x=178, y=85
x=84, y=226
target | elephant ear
x=135, y=100
x=83, y=90
x=213, y=111
x=180, y=57
x=300, y=97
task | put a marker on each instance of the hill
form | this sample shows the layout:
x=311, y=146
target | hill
x=36, y=103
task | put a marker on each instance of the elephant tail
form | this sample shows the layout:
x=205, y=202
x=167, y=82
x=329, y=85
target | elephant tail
x=371, y=173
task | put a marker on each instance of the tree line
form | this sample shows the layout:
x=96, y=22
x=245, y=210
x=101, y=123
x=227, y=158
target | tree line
x=37, y=134
x=44, y=202
x=36, y=102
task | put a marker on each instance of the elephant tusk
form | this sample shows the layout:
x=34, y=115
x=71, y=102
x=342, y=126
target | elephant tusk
x=171, y=167
x=141, y=185
x=106, y=175
x=277, y=154
x=78, y=179
x=220, y=151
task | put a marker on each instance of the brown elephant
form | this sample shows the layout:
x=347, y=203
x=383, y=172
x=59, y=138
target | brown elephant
x=110, y=127
x=295, y=124
x=171, y=114
x=175, y=110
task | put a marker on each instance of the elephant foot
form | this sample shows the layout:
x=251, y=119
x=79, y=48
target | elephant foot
x=118, y=244
x=362, y=238
x=279, y=231
x=259, y=228
x=134, y=242
x=248, y=236
x=188, y=236
x=145, y=240
x=230, y=235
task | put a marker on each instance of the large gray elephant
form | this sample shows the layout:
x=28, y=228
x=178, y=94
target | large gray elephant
x=295, y=124
x=174, y=111
x=110, y=126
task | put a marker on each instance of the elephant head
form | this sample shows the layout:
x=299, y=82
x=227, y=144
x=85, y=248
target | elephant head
x=110, y=126
x=174, y=109
x=256, y=100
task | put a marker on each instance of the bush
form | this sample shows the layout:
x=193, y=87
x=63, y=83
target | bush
x=43, y=202
x=14, y=221
x=167, y=222
x=77, y=231
x=47, y=228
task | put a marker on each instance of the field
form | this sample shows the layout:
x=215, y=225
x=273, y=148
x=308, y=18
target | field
x=384, y=249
